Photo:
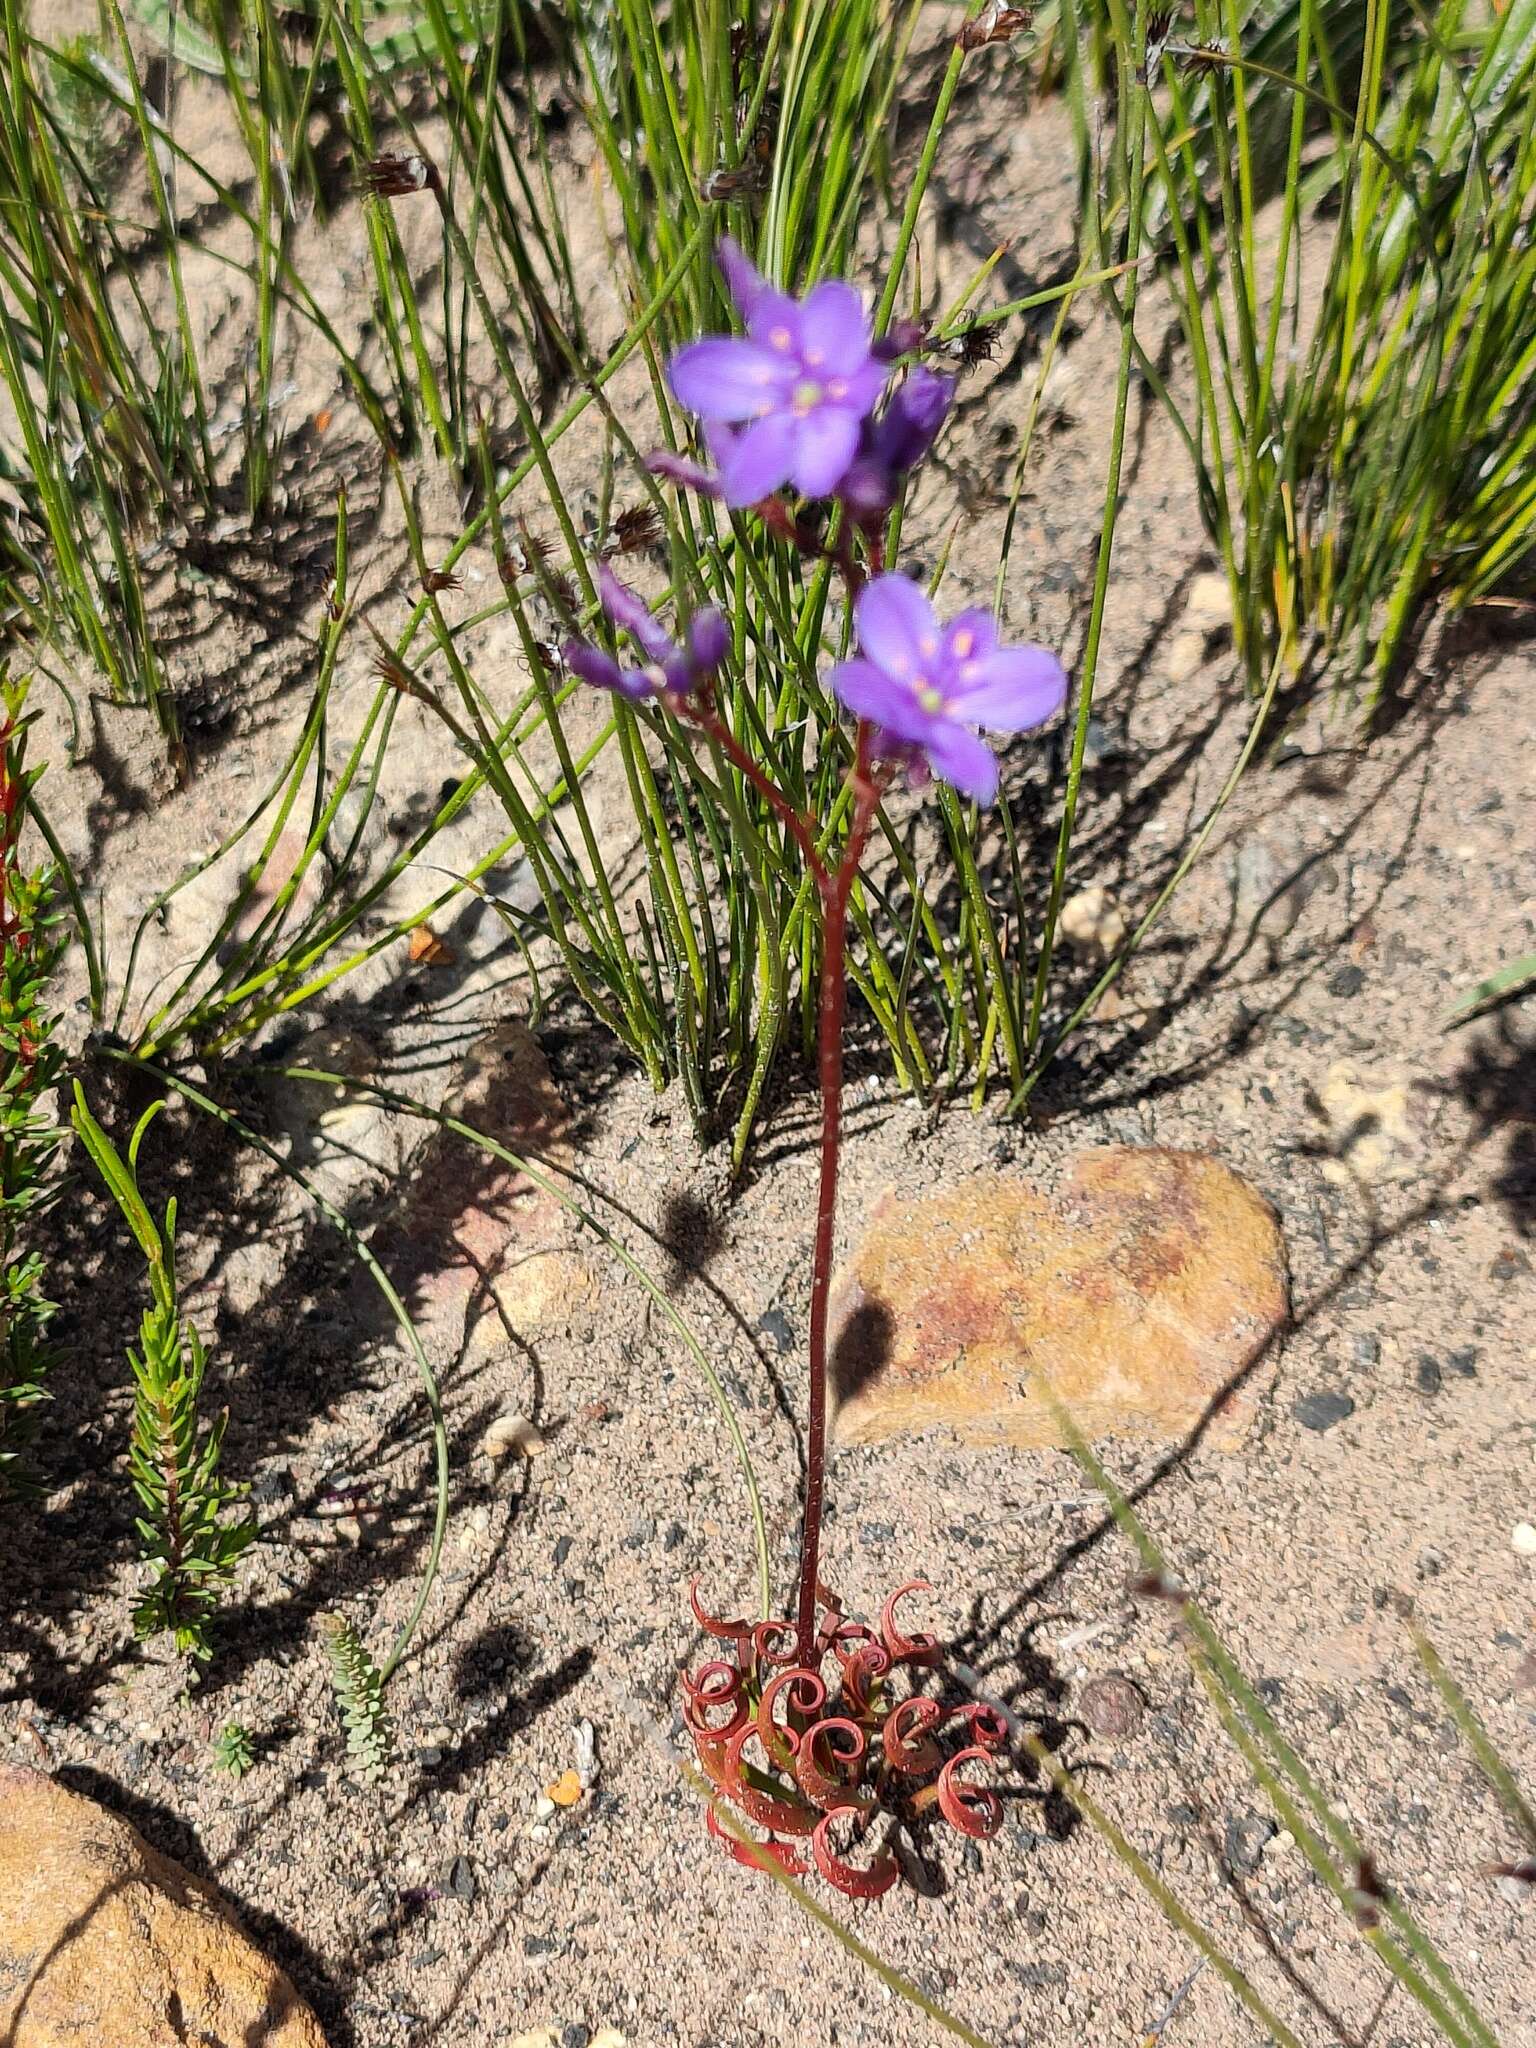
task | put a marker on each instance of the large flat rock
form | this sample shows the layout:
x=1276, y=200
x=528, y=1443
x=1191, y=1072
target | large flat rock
x=105, y=1941
x=1142, y=1293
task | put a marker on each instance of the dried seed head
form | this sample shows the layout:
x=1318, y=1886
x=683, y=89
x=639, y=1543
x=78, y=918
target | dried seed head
x=1367, y=1894
x=635, y=528
x=442, y=579
x=390, y=669
x=1159, y=1586
x=535, y=548
x=749, y=176
x=971, y=345
x=1213, y=56
x=997, y=23
x=1159, y=23
x=395, y=175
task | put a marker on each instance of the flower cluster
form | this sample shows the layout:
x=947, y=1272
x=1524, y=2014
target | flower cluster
x=668, y=671
x=797, y=401
x=829, y=1764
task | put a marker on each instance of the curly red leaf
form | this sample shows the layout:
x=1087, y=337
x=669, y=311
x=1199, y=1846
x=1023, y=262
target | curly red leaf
x=863, y=1670
x=975, y=1810
x=757, y=1794
x=737, y=1632
x=828, y=1762
x=907, y=1737
x=781, y=1852
x=804, y=1696
x=837, y=1870
x=920, y=1648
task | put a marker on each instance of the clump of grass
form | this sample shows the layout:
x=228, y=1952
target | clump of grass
x=1362, y=428
x=192, y=1533
x=31, y=1063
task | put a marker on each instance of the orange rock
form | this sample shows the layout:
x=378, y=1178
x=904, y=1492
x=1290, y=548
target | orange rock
x=104, y=1940
x=566, y=1789
x=1142, y=1294
x=428, y=950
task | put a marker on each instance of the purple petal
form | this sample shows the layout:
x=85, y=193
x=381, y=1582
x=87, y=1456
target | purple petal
x=726, y=378
x=743, y=279
x=897, y=628
x=826, y=441
x=913, y=418
x=968, y=638
x=834, y=330
x=862, y=389
x=760, y=460
x=774, y=323
x=902, y=754
x=595, y=667
x=629, y=612
x=680, y=470
x=709, y=642
x=1010, y=689
x=868, y=692
x=959, y=757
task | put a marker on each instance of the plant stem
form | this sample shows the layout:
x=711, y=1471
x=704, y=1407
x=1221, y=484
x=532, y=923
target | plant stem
x=834, y=998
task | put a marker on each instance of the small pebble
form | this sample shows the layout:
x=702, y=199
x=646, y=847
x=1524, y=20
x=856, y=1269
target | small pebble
x=543, y=1806
x=510, y=1433
x=775, y=1326
x=1247, y=1837
x=1347, y=981
x=1112, y=1705
x=1523, y=1538
x=1427, y=1376
x=1093, y=924
x=1322, y=1410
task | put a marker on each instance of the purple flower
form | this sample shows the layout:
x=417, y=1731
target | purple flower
x=895, y=443
x=785, y=402
x=668, y=670
x=927, y=686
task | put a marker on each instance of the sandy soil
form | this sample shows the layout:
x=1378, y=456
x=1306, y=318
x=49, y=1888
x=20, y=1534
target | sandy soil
x=1287, y=1016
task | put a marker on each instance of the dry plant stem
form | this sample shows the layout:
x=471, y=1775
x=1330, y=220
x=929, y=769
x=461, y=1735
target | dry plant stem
x=834, y=997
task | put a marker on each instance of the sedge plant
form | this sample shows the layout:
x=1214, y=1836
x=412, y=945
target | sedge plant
x=1342, y=197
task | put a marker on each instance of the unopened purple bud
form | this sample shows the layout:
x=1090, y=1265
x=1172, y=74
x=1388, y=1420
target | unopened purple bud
x=912, y=420
x=709, y=641
x=632, y=615
x=868, y=490
x=744, y=280
x=687, y=474
x=899, y=339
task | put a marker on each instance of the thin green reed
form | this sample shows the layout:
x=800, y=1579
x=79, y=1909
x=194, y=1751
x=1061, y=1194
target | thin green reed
x=1363, y=442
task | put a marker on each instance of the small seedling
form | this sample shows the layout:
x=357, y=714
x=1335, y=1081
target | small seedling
x=359, y=1688
x=232, y=1749
x=192, y=1533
